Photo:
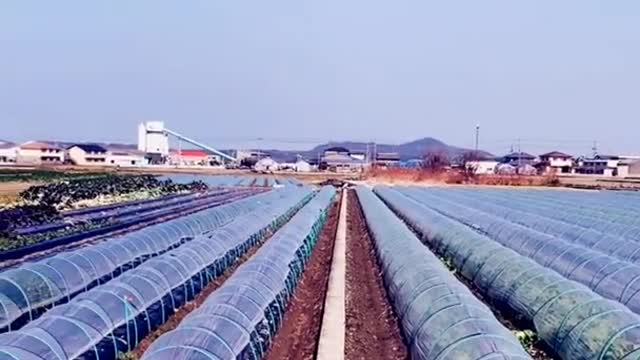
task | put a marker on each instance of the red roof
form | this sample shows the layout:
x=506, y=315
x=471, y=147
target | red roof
x=193, y=153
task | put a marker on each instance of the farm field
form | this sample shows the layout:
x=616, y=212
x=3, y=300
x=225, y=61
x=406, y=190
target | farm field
x=249, y=267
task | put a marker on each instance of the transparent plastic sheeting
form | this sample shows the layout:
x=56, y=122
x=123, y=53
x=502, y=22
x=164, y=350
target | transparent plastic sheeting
x=440, y=317
x=557, y=221
x=27, y=289
x=114, y=317
x=574, y=321
x=616, y=246
x=572, y=211
x=606, y=275
x=238, y=320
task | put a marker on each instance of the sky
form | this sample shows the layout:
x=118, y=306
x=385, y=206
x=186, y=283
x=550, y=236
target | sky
x=546, y=74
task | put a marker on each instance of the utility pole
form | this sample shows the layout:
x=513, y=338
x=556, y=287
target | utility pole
x=179, y=152
x=519, y=155
x=477, y=139
x=375, y=153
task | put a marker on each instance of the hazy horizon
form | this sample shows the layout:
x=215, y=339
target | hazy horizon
x=556, y=75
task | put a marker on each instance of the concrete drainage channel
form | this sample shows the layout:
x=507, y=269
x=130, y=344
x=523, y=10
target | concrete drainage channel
x=340, y=309
x=331, y=342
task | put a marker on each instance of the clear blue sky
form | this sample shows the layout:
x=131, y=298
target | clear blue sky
x=555, y=73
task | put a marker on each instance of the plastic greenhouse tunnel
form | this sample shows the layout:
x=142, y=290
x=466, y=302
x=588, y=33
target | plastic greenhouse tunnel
x=572, y=320
x=240, y=318
x=612, y=277
x=440, y=317
x=29, y=289
x=113, y=317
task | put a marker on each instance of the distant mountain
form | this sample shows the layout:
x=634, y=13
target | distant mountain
x=411, y=150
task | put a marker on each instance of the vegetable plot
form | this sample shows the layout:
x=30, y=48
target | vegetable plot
x=574, y=321
x=113, y=318
x=440, y=317
x=240, y=318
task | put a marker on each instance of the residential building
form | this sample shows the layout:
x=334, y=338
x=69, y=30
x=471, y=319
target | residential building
x=337, y=150
x=390, y=159
x=40, y=152
x=339, y=159
x=518, y=159
x=605, y=165
x=120, y=158
x=8, y=152
x=556, y=162
x=87, y=154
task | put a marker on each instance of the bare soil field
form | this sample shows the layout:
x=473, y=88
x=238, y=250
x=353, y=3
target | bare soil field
x=298, y=337
x=372, y=330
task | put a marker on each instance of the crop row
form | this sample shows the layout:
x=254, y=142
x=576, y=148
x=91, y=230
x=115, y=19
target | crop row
x=114, y=317
x=17, y=245
x=240, y=318
x=29, y=289
x=575, y=322
x=614, y=277
x=563, y=206
x=440, y=317
x=619, y=247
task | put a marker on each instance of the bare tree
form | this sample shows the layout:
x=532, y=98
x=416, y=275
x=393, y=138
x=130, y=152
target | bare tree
x=468, y=162
x=435, y=161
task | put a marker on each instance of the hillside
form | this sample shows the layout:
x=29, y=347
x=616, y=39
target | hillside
x=410, y=150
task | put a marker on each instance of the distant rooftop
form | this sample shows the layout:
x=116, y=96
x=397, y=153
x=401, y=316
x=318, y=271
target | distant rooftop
x=91, y=148
x=556, y=154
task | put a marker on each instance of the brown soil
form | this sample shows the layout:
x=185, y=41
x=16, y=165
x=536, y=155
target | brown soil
x=177, y=317
x=298, y=337
x=372, y=330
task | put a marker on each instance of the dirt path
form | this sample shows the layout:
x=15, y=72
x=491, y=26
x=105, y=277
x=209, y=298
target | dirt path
x=298, y=337
x=372, y=330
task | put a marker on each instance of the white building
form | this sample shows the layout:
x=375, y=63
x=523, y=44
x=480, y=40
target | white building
x=266, y=165
x=483, y=167
x=629, y=168
x=126, y=159
x=8, y=152
x=302, y=166
x=40, y=152
x=153, y=139
x=87, y=154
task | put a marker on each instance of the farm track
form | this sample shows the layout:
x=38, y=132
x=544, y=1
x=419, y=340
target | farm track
x=92, y=240
x=299, y=335
x=372, y=329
